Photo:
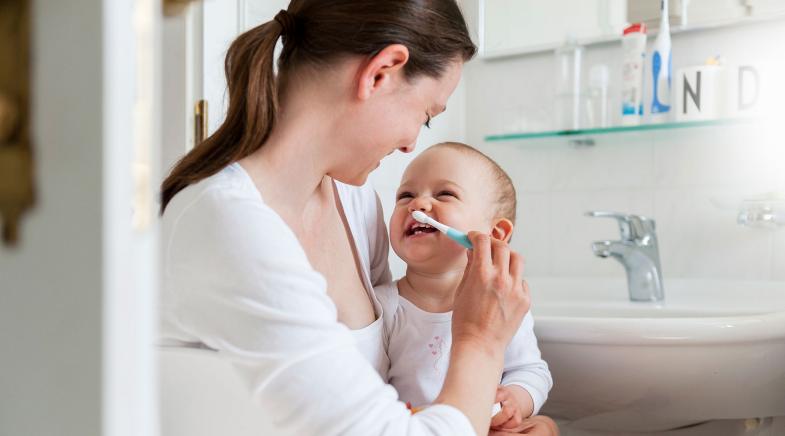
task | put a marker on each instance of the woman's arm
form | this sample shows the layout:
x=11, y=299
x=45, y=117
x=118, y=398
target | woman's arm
x=490, y=303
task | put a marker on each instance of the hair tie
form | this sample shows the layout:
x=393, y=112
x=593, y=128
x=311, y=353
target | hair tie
x=286, y=21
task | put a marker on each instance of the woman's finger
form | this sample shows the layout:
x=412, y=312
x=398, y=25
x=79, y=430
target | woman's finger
x=516, y=267
x=481, y=253
x=501, y=256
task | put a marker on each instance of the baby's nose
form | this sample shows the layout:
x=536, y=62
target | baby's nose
x=420, y=204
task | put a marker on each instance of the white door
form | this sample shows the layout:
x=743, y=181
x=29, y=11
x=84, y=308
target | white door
x=195, y=45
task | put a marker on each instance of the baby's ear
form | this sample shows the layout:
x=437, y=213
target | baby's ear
x=502, y=229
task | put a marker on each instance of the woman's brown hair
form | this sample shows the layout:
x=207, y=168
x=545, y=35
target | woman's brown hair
x=315, y=33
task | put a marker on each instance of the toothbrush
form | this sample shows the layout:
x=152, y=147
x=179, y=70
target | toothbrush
x=453, y=234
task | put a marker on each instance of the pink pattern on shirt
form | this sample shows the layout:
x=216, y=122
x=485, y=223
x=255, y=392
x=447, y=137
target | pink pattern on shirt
x=436, y=348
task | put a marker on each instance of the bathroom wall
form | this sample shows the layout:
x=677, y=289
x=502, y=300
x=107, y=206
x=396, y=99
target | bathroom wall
x=689, y=181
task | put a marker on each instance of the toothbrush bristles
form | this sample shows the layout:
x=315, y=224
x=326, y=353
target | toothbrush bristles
x=420, y=216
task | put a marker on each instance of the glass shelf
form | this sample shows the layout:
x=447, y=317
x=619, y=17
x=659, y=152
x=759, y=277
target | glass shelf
x=583, y=136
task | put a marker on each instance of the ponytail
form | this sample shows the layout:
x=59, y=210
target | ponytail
x=253, y=105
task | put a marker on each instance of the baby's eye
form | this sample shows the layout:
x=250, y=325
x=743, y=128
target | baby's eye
x=404, y=195
x=447, y=193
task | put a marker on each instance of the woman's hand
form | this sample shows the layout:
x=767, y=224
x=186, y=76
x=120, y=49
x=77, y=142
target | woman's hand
x=534, y=426
x=490, y=303
x=492, y=298
x=516, y=404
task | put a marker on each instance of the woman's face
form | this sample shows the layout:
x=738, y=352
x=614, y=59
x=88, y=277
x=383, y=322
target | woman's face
x=392, y=120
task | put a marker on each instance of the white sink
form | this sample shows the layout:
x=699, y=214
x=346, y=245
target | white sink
x=710, y=350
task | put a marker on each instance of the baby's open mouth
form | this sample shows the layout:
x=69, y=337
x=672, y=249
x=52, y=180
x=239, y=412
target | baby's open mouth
x=418, y=228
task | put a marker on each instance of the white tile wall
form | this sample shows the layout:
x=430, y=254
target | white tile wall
x=778, y=257
x=529, y=168
x=603, y=166
x=690, y=181
x=722, y=157
x=531, y=236
x=698, y=239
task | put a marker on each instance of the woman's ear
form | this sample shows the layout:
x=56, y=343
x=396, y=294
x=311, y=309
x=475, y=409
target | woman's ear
x=379, y=70
x=502, y=229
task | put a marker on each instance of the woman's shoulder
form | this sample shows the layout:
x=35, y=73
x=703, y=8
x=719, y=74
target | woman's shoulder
x=231, y=183
x=226, y=210
x=227, y=195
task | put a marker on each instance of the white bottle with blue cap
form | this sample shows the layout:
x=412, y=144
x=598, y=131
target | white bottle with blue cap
x=661, y=68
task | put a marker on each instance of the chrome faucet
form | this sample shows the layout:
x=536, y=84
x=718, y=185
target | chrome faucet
x=637, y=251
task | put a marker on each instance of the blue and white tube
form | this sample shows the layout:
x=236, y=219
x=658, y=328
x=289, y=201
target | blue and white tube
x=662, y=69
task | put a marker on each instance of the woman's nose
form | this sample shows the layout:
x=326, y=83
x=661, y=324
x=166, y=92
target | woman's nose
x=408, y=148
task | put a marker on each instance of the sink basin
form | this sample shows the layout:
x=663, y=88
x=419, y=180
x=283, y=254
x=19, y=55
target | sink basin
x=710, y=350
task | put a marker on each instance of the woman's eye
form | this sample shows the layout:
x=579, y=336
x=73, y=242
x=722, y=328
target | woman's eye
x=428, y=120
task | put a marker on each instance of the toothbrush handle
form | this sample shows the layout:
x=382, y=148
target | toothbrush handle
x=460, y=238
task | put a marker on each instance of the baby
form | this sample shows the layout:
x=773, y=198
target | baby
x=464, y=189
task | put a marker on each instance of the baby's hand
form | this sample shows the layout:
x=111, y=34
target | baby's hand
x=535, y=426
x=512, y=414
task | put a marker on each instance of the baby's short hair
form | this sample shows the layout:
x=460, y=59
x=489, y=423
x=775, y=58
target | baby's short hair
x=505, y=191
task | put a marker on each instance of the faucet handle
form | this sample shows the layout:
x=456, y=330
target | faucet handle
x=632, y=227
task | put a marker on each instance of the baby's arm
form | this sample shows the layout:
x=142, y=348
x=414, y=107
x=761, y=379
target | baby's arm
x=524, y=370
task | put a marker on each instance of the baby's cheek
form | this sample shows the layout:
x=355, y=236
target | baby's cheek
x=396, y=224
x=395, y=244
x=394, y=232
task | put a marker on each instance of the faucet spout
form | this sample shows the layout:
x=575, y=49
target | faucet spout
x=602, y=248
x=638, y=252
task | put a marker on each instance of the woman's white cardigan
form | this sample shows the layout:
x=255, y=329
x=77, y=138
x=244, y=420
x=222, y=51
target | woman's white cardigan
x=236, y=280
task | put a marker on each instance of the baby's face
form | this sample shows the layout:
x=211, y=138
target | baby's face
x=450, y=186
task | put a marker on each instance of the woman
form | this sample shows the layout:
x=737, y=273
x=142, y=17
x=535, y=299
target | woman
x=273, y=242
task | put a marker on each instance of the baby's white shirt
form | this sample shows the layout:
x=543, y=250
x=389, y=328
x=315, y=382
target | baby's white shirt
x=418, y=345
